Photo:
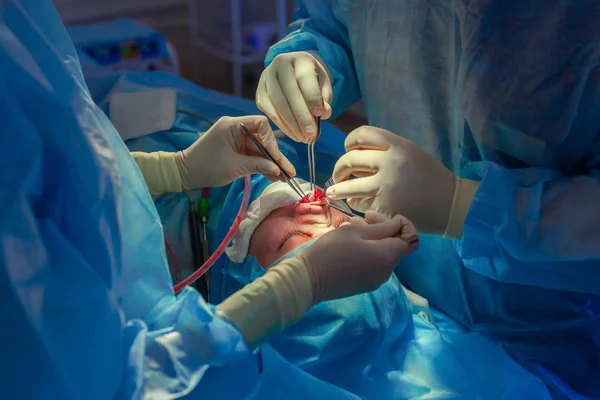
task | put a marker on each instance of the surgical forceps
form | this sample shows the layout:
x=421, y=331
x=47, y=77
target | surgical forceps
x=334, y=206
x=340, y=209
x=290, y=181
x=311, y=156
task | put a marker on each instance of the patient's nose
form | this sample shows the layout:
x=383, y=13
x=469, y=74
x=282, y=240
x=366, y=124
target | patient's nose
x=314, y=218
x=311, y=209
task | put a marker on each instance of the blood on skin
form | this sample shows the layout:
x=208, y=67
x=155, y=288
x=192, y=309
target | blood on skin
x=311, y=197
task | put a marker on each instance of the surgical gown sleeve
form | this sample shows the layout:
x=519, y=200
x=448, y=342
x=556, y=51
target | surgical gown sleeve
x=88, y=310
x=537, y=226
x=317, y=29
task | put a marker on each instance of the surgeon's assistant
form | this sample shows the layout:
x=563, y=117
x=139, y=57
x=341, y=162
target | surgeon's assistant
x=485, y=132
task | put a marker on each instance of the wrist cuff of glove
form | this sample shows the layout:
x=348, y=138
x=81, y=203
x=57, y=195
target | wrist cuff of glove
x=179, y=158
x=464, y=190
x=159, y=170
x=266, y=306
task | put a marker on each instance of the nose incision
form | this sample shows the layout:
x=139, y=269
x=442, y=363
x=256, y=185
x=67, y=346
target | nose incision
x=315, y=196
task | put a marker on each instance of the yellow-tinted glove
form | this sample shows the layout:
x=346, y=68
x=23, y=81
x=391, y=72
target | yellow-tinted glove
x=293, y=90
x=395, y=176
x=221, y=155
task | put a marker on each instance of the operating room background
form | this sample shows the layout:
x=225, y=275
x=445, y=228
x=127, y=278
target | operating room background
x=172, y=18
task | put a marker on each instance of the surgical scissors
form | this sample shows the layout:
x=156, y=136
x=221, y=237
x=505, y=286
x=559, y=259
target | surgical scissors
x=290, y=181
x=311, y=156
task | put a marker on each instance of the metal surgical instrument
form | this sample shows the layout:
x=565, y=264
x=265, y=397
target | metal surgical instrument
x=340, y=209
x=311, y=156
x=334, y=206
x=290, y=181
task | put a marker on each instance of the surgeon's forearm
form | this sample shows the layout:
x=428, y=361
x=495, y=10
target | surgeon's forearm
x=266, y=306
x=160, y=171
x=312, y=33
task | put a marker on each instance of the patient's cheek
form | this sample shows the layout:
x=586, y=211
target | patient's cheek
x=255, y=246
x=266, y=234
x=293, y=243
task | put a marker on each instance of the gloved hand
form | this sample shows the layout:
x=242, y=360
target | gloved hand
x=221, y=155
x=363, y=252
x=357, y=257
x=225, y=153
x=395, y=176
x=292, y=91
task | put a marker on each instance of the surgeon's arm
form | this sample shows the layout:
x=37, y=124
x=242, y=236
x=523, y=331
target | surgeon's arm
x=365, y=252
x=535, y=226
x=316, y=30
x=159, y=170
x=217, y=158
x=266, y=306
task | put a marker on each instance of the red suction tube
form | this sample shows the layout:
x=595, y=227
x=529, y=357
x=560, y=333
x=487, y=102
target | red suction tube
x=234, y=228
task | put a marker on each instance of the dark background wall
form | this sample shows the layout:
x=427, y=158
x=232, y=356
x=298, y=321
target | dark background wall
x=172, y=18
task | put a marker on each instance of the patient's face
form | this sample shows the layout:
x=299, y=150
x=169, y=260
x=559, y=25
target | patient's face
x=291, y=226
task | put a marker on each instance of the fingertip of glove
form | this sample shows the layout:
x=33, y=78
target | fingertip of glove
x=411, y=241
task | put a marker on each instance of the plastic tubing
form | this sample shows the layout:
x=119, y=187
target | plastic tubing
x=234, y=228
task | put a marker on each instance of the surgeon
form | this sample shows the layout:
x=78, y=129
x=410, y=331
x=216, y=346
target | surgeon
x=485, y=132
x=88, y=310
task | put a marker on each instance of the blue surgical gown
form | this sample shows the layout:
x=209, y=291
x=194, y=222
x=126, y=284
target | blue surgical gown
x=88, y=311
x=506, y=92
x=383, y=345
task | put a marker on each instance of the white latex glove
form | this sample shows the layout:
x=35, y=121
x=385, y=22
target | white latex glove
x=223, y=154
x=395, y=176
x=357, y=257
x=292, y=91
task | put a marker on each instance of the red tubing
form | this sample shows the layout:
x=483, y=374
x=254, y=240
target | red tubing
x=211, y=260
